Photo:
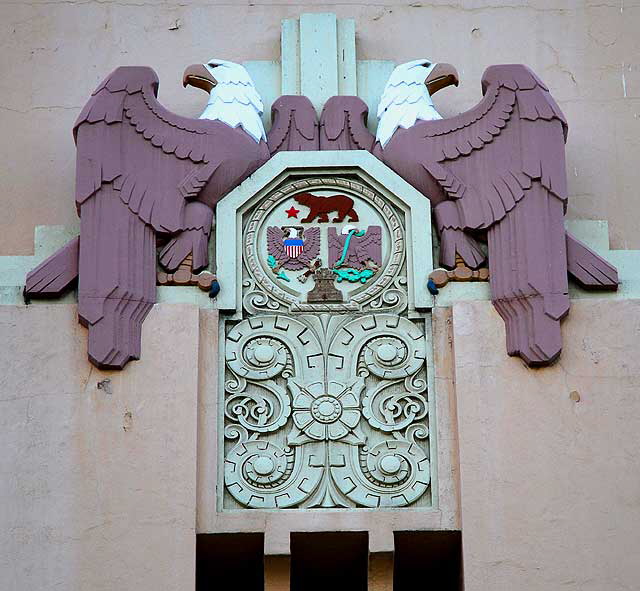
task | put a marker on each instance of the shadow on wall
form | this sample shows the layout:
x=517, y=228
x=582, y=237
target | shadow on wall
x=229, y=561
x=329, y=561
x=433, y=556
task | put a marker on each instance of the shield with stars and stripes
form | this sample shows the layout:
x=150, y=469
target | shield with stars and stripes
x=293, y=247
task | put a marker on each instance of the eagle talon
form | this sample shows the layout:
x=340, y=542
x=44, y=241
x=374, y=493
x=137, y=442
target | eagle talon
x=440, y=277
x=184, y=275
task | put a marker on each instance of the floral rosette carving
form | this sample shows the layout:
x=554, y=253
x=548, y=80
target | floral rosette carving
x=326, y=414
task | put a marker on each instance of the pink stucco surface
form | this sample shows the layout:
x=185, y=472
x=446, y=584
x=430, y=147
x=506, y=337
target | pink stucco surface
x=550, y=487
x=55, y=53
x=97, y=479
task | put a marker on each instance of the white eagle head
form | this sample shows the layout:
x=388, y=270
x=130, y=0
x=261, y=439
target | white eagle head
x=407, y=95
x=233, y=99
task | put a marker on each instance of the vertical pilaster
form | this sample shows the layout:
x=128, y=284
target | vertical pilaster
x=290, y=60
x=318, y=57
x=347, y=84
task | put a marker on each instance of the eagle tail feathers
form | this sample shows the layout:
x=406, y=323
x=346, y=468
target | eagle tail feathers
x=56, y=274
x=115, y=293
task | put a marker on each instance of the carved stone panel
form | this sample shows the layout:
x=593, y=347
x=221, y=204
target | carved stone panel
x=325, y=385
x=326, y=411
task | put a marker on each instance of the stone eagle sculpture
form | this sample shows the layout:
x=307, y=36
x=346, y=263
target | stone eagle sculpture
x=495, y=172
x=143, y=173
x=294, y=125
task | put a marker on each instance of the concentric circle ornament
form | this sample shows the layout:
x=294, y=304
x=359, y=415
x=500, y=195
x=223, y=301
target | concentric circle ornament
x=392, y=474
x=260, y=357
x=396, y=356
x=322, y=415
x=326, y=409
x=260, y=474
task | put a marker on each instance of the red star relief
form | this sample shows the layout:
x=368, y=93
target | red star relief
x=292, y=212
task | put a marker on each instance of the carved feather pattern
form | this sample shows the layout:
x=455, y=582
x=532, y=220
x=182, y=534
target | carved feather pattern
x=343, y=125
x=502, y=165
x=589, y=269
x=275, y=247
x=55, y=274
x=143, y=170
x=295, y=125
x=361, y=248
x=191, y=153
x=275, y=243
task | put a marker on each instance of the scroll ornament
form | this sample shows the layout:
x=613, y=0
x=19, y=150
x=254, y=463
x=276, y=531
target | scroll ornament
x=297, y=439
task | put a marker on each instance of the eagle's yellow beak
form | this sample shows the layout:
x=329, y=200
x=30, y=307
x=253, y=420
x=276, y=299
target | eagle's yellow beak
x=199, y=76
x=441, y=76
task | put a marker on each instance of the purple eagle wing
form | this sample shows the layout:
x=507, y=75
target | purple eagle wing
x=295, y=125
x=336, y=244
x=275, y=244
x=343, y=125
x=311, y=245
x=369, y=246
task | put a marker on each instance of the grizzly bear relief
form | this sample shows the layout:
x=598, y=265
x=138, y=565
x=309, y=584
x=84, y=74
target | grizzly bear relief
x=321, y=206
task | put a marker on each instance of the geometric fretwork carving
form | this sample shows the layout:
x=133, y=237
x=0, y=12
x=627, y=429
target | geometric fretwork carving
x=326, y=411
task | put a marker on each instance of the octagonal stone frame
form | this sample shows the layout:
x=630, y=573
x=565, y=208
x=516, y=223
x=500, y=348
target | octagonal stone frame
x=230, y=210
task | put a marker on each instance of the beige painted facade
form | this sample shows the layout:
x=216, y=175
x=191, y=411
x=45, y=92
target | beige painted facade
x=104, y=484
x=550, y=486
x=98, y=485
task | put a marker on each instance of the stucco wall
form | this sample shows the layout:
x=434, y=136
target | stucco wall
x=55, y=52
x=550, y=486
x=97, y=484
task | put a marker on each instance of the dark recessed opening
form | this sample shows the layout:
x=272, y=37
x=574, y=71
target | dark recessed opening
x=433, y=557
x=329, y=561
x=229, y=559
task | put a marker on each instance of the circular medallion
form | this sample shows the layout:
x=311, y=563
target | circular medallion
x=326, y=409
x=321, y=244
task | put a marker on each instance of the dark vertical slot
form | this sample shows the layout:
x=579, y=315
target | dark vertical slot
x=229, y=559
x=329, y=561
x=433, y=557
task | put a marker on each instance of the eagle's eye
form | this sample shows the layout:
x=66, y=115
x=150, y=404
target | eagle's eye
x=427, y=64
x=213, y=65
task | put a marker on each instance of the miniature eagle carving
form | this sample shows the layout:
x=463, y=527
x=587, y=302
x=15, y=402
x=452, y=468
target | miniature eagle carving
x=363, y=247
x=495, y=172
x=276, y=247
x=143, y=173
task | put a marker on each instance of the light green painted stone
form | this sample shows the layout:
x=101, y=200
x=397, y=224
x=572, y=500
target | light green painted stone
x=318, y=54
x=347, y=82
x=290, y=56
x=372, y=76
x=318, y=58
x=266, y=78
